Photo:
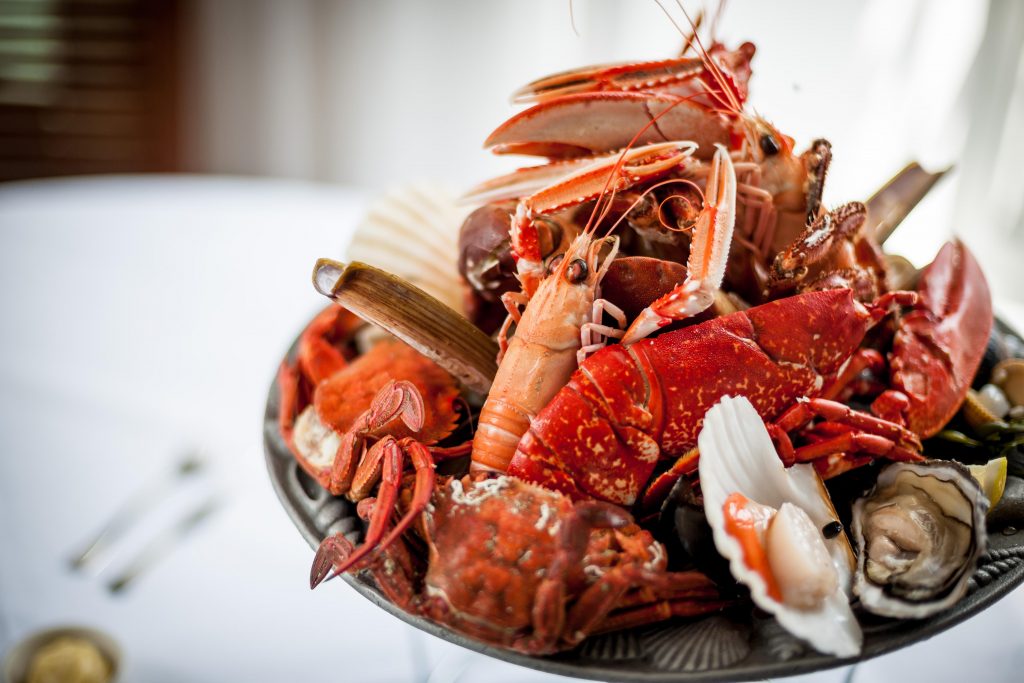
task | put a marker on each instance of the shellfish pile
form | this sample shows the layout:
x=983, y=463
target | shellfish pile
x=640, y=380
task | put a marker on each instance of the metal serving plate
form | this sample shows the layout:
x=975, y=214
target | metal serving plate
x=742, y=645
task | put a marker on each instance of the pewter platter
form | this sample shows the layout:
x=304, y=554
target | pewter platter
x=736, y=646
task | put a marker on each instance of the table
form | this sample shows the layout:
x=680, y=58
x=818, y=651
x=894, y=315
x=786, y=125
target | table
x=145, y=316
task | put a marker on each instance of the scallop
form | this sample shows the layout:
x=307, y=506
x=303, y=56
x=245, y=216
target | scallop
x=768, y=522
x=919, y=534
x=413, y=232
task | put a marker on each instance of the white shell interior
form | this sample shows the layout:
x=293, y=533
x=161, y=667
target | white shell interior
x=737, y=455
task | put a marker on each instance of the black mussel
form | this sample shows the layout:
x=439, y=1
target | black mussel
x=1003, y=343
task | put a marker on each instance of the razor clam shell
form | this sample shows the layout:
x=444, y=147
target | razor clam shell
x=881, y=600
x=897, y=198
x=413, y=232
x=406, y=311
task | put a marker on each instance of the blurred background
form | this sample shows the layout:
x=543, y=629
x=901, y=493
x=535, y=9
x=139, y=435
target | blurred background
x=376, y=94
x=155, y=155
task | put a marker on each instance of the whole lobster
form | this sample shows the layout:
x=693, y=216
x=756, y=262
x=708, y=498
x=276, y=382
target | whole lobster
x=627, y=410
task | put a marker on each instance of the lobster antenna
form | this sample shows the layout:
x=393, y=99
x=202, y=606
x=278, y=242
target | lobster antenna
x=712, y=67
x=688, y=40
x=600, y=210
x=718, y=15
x=572, y=20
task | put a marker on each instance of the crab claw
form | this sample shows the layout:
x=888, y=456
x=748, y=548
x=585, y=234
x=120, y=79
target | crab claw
x=333, y=550
x=396, y=399
x=709, y=250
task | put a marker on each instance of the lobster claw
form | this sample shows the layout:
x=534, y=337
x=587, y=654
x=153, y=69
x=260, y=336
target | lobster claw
x=939, y=344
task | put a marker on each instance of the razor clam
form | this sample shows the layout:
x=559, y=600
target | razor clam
x=919, y=535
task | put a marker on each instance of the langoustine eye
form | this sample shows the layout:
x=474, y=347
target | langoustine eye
x=577, y=271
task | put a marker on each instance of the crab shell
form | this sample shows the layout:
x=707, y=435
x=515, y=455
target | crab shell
x=737, y=456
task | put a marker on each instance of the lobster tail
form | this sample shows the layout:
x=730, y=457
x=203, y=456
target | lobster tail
x=596, y=439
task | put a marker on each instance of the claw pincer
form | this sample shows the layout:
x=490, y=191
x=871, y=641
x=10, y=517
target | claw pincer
x=939, y=345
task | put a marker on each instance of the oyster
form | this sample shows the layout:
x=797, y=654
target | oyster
x=778, y=529
x=919, y=535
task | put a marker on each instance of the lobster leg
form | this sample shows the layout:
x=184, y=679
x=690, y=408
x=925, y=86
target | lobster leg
x=709, y=249
x=513, y=303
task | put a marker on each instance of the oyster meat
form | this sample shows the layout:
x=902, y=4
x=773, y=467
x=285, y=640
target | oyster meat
x=919, y=535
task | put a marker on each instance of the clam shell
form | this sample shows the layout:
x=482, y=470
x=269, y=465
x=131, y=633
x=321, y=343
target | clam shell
x=1008, y=375
x=896, y=598
x=413, y=232
x=975, y=411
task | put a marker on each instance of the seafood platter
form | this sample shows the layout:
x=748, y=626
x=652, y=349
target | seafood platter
x=647, y=409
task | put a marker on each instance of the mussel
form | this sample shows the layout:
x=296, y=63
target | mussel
x=919, y=533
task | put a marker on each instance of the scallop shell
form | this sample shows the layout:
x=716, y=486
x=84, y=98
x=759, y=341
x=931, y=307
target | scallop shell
x=944, y=481
x=413, y=232
x=712, y=643
x=737, y=455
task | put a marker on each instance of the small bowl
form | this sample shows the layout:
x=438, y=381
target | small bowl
x=19, y=657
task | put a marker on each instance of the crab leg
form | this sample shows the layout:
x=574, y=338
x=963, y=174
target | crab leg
x=712, y=237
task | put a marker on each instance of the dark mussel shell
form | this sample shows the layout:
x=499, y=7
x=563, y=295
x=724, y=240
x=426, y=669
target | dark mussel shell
x=1003, y=343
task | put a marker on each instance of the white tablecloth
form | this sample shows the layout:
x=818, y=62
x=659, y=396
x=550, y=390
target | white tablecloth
x=142, y=317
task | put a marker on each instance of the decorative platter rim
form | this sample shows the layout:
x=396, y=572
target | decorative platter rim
x=640, y=654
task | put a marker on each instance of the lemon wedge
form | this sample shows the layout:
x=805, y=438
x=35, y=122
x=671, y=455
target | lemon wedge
x=992, y=478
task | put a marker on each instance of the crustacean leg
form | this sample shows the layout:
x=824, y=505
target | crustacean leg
x=397, y=400
x=318, y=356
x=386, y=456
x=709, y=249
x=514, y=303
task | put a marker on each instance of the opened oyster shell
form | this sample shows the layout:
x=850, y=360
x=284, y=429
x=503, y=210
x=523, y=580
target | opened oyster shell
x=919, y=534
